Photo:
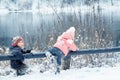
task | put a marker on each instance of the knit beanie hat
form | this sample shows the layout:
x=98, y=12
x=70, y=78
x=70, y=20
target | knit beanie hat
x=71, y=32
x=16, y=40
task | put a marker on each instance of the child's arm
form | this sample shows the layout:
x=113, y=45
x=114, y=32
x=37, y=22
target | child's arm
x=71, y=45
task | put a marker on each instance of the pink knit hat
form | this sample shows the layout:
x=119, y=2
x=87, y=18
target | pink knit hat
x=71, y=32
x=71, y=29
x=16, y=40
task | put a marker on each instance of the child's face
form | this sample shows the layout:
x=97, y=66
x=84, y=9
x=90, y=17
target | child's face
x=20, y=44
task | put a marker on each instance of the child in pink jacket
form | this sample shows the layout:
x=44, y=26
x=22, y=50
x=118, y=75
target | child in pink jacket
x=63, y=45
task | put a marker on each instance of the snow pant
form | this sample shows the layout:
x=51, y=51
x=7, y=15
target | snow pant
x=58, y=53
x=21, y=70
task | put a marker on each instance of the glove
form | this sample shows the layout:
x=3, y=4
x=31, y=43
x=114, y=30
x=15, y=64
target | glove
x=28, y=51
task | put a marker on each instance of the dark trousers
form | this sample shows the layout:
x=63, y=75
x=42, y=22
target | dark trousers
x=21, y=70
x=58, y=53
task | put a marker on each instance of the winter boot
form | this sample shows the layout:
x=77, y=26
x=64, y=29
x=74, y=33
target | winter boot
x=20, y=73
x=58, y=69
x=22, y=70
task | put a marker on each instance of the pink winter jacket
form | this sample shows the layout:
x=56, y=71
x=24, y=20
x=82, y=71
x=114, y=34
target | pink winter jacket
x=65, y=43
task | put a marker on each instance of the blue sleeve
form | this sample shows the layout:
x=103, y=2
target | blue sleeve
x=18, y=54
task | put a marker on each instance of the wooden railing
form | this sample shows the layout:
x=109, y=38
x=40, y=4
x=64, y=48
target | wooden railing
x=79, y=52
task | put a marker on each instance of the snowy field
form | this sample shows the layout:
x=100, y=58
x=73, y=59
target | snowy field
x=101, y=73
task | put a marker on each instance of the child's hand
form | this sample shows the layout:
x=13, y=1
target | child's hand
x=28, y=51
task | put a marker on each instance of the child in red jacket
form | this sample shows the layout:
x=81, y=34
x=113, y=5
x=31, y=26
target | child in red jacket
x=63, y=45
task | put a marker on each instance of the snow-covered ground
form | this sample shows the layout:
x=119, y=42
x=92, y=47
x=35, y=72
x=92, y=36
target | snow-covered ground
x=101, y=73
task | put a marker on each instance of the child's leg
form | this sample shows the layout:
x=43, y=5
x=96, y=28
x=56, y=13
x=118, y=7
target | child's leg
x=59, y=56
x=57, y=61
x=21, y=70
x=66, y=62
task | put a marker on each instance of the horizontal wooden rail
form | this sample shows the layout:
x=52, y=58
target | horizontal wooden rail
x=79, y=52
x=95, y=51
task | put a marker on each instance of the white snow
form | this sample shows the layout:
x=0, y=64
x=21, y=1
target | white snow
x=101, y=73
